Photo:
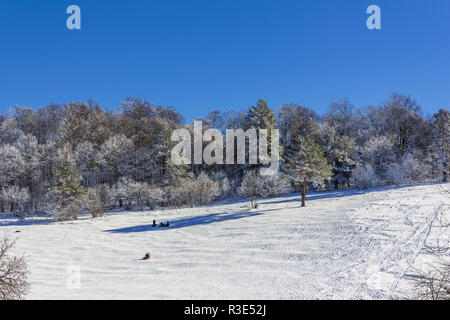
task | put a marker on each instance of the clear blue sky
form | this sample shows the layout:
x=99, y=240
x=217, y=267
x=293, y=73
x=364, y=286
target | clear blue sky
x=199, y=55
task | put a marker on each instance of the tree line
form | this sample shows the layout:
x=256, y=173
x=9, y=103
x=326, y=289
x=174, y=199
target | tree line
x=65, y=159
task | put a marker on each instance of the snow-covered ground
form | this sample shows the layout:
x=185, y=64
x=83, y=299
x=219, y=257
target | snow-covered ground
x=343, y=245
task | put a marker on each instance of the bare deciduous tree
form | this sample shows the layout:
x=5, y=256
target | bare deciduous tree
x=435, y=283
x=13, y=273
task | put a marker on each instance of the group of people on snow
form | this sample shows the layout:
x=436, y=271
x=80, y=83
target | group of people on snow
x=161, y=224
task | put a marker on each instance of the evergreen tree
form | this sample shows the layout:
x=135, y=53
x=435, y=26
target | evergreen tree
x=68, y=192
x=294, y=120
x=441, y=135
x=261, y=117
x=306, y=163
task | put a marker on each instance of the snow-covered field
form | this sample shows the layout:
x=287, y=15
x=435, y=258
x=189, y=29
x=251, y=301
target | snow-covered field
x=343, y=245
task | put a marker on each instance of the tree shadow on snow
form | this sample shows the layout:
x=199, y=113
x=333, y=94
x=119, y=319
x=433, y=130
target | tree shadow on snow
x=342, y=193
x=36, y=219
x=317, y=196
x=191, y=221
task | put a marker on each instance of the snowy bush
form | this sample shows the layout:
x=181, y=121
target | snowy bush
x=378, y=153
x=127, y=191
x=202, y=190
x=251, y=188
x=181, y=195
x=407, y=171
x=225, y=188
x=105, y=194
x=416, y=171
x=224, y=183
x=272, y=186
x=396, y=174
x=146, y=195
x=69, y=211
x=16, y=199
x=206, y=189
x=94, y=203
x=155, y=196
x=365, y=177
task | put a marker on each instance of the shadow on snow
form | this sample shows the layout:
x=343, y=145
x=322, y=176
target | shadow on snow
x=342, y=193
x=191, y=221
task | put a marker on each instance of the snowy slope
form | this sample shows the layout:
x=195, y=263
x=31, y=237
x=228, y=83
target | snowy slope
x=343, y=245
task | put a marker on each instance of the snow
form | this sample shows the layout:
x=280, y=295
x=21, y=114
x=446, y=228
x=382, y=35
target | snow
x=343, y=245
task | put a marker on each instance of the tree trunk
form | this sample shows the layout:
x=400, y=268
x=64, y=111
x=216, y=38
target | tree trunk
x=336, y=184
x=444, y=173
x=304, y=190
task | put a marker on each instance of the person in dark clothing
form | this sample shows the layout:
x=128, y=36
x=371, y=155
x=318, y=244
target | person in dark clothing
x=154, y=223
x=147, y=256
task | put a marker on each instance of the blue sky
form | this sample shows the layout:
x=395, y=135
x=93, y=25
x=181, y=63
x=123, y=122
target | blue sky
x=224, y=54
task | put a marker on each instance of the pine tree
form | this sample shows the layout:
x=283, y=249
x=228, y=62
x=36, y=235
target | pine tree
x=306, y=163
x=261, y=117
x=441, y=135
x=68, y=192
x=294, y=120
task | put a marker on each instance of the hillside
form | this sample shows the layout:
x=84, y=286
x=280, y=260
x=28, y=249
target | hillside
x=343, y=245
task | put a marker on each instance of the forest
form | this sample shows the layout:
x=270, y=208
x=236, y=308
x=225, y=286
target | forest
x=73, y=158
